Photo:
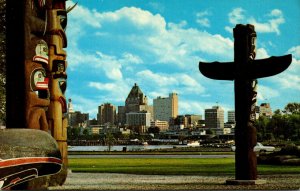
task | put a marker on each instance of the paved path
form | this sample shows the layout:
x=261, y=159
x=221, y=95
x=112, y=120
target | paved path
x=151, y=156
x=108, y=181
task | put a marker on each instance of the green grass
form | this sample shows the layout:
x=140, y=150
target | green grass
x=150, y=153
x=167, y=166
x=163, y=166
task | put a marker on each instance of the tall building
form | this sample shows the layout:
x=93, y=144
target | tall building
x=138, y=121
x=165, y=108
x=136, y=101
x=70, y=106
x=121, y=115
x=214, y=118
x=162, y=125
x=265, y=110
x=231, y=116
x=106, y=114
x=193, y=120
x=78, y=119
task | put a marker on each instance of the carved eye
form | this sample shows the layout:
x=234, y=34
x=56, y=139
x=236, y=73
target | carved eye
x=63, y=86
x=63, y=19
x=38, y=80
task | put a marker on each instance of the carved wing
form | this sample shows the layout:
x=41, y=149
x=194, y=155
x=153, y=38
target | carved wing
x=269, y=66
x=218, y=70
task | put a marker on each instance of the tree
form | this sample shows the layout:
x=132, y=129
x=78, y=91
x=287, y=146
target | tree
x=86, y=134
x=277, y=112
x=110, y=140
x=261, y=124
x=293, y=108
x=154, y=130
x=73, y=133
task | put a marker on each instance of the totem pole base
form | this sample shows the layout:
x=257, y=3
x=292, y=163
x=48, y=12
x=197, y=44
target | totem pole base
x=245, y=182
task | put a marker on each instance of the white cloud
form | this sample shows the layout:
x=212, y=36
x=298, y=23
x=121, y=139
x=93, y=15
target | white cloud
x=202, y=19
x=290, y=81
x=112, y=92
x=85, y=105
x=146, y=39
x=178, y=82
x=264, y=92
x=261, y=53
x=273, y=21
x=295, y=51
x=128, y=58
x=103, y=87
x=236, y=16
x=110, y=64
x=82, y=15
x=204, y=22
x=148, y=34
x=198, y=108
x=131, y=19
x=157, y=79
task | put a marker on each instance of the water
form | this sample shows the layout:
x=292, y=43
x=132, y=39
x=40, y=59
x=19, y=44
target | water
x=120, y=147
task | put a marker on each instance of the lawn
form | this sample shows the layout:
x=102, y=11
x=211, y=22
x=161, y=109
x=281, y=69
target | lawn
x=170, y=166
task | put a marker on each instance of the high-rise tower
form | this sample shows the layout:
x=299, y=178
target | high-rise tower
x=165, y=107
x=136, y=101
x=106, y=114
x=214, y=118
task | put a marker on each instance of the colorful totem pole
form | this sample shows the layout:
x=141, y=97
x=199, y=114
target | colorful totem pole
x=57, y=112
x=244, y=71
x=36, y=64
x=36, y=84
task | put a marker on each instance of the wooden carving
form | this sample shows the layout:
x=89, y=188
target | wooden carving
x=244, y=70
x=36, y=63
x=57, y=118
x=45, y=73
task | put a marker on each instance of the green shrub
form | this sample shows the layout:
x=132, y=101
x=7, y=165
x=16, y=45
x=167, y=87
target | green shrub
x=290, y=150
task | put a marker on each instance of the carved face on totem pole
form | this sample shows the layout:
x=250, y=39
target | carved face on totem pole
x=36, y=65
x=45, y=72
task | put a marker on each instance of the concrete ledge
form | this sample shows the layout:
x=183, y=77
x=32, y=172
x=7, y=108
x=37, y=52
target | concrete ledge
x=245, y=182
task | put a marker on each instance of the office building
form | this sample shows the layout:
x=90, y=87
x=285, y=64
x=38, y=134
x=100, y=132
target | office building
x=138, y=121
x=106, y=114
x=214, y=117
x=231, y=116
x=193, y=120
x=78, y=119
x=265, y=110
x=162, y=125
x=165, y=108
x=136, y=101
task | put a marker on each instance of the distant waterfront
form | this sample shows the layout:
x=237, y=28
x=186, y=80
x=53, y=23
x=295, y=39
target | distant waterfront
x=120, y=147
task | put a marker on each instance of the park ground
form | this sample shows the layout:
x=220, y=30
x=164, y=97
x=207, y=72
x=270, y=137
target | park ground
x=171, y=174
x=116, y=181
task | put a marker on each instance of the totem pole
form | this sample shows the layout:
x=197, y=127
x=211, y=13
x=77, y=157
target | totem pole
x=57, y=111
x=36, y=84
x=36, y=63
x=244, y=71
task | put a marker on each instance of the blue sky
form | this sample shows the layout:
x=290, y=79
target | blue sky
x=158, y=44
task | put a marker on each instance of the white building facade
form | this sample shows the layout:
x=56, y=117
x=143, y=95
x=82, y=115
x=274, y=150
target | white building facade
x=165, y=107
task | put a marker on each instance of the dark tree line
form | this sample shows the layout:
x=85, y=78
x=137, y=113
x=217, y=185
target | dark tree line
x=284, y=125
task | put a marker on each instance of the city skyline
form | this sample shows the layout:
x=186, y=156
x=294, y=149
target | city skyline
x=158, y=45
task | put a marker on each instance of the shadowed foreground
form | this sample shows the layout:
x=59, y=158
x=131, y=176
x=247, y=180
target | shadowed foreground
x=108, y=181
